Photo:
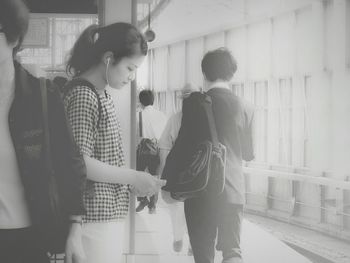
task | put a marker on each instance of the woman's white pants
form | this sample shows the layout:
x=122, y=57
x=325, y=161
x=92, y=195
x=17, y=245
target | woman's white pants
x=103, y=242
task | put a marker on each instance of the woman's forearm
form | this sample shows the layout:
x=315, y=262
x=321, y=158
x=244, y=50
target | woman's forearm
x=101, y=172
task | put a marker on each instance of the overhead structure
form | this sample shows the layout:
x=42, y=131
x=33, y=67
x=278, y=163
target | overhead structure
x=63, y=6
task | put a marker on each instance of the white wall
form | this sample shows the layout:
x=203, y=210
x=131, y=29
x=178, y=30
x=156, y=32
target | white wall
x=297, y=52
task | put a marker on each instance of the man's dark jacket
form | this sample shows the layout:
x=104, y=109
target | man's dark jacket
x=26, y=128
x=234, y=125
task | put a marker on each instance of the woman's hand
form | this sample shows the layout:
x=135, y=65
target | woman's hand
x=74, y=246
x=167, y=197
x=145, y=184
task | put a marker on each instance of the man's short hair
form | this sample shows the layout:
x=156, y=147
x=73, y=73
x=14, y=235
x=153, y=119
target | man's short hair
x=14, y=19
x=219, y=64
x=146, y=97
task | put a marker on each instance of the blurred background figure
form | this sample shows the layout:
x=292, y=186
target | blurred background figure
x=60, y=81
x=151, y=123
x=166, y=142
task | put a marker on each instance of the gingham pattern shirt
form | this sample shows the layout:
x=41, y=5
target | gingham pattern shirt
x=103, y=201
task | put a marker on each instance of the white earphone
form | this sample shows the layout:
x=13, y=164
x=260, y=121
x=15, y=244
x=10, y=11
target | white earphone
x=108, y=59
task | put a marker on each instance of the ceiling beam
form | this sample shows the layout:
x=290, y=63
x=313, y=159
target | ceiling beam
x=145, y=1
x=154, y=13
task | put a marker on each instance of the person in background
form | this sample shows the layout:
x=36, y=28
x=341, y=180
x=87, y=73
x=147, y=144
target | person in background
x=24, y=206
x=166, y=142
x=217, y=219
x=60, y=81
x=104, y=57
x=151, y=123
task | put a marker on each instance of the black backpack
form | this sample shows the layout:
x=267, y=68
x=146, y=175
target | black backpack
x=82, y=82
x=196, y=171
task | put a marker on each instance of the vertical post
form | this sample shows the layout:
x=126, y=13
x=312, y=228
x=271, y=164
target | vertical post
x=294, y=206
x=323, y=201
x=111, y=11
x=346, y=205
x=132, y=231
x=54, y=35
x=101, y=12
x=340, y=88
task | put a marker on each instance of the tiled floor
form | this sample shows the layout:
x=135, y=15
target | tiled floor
x=154, y=239
x=154, y=243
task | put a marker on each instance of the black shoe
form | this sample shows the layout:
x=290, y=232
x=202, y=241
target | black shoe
x=141, y=206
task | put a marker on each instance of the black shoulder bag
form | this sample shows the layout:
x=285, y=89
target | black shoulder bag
x=147, y=149
x=205, y=174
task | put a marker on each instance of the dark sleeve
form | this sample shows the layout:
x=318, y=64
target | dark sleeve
x=68, y=162
x=247, y=139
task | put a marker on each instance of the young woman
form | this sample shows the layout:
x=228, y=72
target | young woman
x=102, y=57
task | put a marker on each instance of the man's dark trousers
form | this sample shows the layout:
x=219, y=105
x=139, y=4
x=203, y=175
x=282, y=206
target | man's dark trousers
x=210, y=217
x=21, y=246
x=151, y=163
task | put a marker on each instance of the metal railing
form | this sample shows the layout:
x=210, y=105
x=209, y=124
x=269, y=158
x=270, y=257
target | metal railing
x=333, y=197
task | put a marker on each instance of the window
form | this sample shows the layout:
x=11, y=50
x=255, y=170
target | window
x=238, y=89
x=177, y=100
x=256, y=93
x=306, y=93
x=160, y=101
x=285, y=97
x=63, y=33
x=261, y=119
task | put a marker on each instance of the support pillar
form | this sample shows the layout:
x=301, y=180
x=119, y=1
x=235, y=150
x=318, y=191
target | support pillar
x=111, y=11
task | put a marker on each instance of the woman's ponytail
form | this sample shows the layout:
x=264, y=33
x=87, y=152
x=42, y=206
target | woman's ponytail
x=84, y=54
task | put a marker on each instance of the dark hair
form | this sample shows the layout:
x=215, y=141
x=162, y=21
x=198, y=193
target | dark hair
x=219, y=64
x=14, y=19
x=146, y=97
x=122, y=39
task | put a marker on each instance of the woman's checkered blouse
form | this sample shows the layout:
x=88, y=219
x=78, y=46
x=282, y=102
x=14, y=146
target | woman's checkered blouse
x=103, y=201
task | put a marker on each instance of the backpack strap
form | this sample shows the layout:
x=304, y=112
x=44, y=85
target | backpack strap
x=83, y=82
x=211, y=121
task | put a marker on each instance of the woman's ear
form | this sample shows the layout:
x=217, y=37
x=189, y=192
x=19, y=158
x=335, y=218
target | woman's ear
x=107, y=57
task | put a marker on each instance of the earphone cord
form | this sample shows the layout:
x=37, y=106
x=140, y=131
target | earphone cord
x=107, y=73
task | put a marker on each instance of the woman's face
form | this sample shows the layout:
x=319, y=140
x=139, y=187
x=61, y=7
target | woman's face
x=123, y=72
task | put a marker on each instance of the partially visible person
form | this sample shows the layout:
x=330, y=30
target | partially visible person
x=151, y=123
x=60, y=81
x=24, y=205
x=166, y=142
x=104, y=57
x=217, y=219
